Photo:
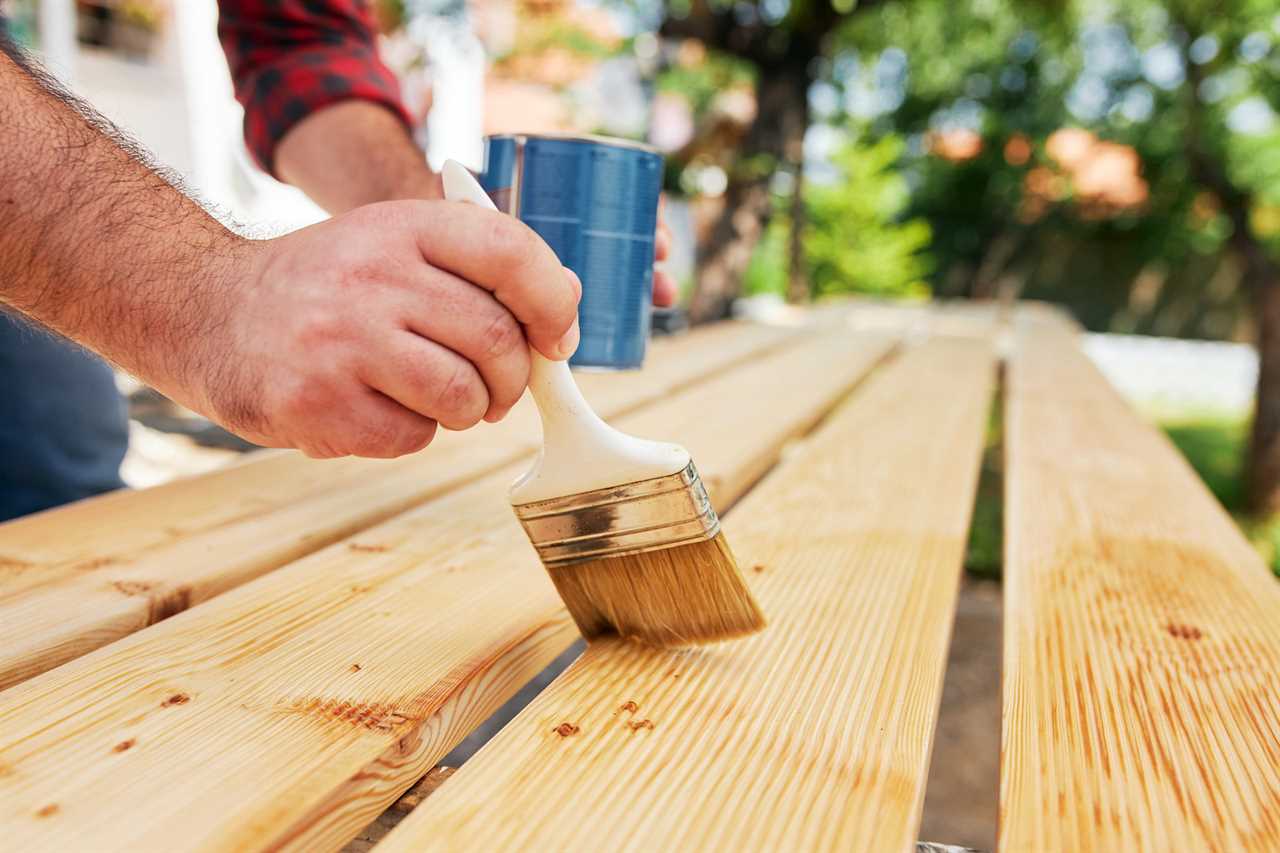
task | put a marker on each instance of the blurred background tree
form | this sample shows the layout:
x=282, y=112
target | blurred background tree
x=1119, y=157
x=779, y=46
x=854, y=239
x=1122, y=159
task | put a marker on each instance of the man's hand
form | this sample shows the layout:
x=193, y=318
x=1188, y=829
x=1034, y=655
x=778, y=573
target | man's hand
x=354, y=336
x=665, y=290
x=357, y=152
x=358, y=335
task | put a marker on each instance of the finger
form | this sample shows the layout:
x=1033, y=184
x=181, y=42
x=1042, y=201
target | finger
x=371, y=425
x=569, y=343
x=428, y=378
x=662, y=241
x=665, y=290
x=476, y=326
x=504, y=256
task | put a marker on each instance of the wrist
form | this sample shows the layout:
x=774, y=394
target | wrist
x=355, y=153
x=198, y=371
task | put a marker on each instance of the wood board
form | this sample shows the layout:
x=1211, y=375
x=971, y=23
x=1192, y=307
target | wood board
x=292, y=710
x=1142, y=632
x=77, y=578
x=814, y=735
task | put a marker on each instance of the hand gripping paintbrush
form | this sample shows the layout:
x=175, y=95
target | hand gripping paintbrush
x=623, y=525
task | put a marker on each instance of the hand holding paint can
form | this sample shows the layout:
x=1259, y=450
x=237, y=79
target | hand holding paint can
x=595, y=201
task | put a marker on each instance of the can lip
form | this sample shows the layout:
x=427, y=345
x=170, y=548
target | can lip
x=612, y=141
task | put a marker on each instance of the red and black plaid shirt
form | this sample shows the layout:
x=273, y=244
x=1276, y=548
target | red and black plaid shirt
x=289, y=58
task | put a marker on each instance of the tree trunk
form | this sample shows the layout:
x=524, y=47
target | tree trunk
x=1264, y=440
x=797, y=264
x=782, y=97
x=1262, y=278
x=995, y=262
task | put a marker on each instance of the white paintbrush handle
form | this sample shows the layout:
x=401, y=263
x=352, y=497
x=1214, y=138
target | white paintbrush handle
x=559, y=400
x=580, y=452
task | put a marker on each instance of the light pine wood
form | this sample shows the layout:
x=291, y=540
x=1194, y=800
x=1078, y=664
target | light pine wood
x=75, y=579
x=814, y=735
x=1142, y=632
x=290, y=711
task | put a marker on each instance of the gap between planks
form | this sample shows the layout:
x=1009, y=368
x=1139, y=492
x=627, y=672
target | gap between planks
x=1142, y=636
x=72, y=580
x=815, y=734
x=292, y=710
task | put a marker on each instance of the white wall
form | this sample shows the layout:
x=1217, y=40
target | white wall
x=1170, y=376
x=179, y=105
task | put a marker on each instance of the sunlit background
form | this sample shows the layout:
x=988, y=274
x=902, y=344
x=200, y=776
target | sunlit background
x=1120, y=159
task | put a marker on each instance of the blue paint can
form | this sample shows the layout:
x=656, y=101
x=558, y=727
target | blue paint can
x=595, y=201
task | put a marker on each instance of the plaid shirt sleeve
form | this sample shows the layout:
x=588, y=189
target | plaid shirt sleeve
x=289, y=58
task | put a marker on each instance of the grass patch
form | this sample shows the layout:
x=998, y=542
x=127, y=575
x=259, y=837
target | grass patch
x=1214, y=446
x=986, y=530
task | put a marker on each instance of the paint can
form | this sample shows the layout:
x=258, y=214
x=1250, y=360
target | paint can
x=595, y=201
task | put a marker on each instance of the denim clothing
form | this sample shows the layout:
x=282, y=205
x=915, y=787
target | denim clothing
x=63, y=425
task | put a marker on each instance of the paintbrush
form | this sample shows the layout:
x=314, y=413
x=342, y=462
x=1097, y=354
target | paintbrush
x=623, y=525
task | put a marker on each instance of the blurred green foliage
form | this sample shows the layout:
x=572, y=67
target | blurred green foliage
x=1213, y=446
x=1188, y=86
x=855, y=239
x=984, y=550
x=767, y=272
x=1186, y=90
x=700, y=83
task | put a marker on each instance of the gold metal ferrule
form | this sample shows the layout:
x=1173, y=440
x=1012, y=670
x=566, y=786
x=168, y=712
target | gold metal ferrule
x=627, y=519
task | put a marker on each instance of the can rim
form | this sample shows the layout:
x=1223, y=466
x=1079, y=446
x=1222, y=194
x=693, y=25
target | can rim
x=612, y=141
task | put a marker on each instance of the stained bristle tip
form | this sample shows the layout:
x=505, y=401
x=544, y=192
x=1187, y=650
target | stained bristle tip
x=679, y=596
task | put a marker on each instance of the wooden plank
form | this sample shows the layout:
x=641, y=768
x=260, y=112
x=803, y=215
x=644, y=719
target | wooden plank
x=1142, y=632
x=75, y=579
x=815, y=734
x=292, y=710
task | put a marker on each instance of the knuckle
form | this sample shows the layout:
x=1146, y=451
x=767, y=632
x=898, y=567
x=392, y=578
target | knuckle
x=507, y=389
x=376, y=439
x=317, y=328
x=416, y=438
x=458, y=397
x=362, y=274
x=501, y=337
x=522, y=248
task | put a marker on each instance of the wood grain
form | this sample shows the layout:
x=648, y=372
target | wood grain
x=814, y=735
x=290, y=711
x=1142, y=632
x=75, y=579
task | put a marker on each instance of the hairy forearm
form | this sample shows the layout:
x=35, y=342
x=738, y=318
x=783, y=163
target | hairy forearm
x=95, y=244
x=354, y=153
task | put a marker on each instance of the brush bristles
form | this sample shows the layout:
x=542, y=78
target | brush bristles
x=679, y=596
